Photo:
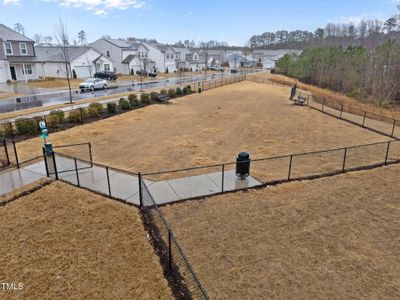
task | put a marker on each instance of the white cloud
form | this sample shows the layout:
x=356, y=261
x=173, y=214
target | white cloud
x=15, y=2
x=99, y=7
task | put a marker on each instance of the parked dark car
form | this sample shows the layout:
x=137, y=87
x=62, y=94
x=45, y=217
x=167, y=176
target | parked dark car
x=106, y=75
x=234, y=71
x=146, y=73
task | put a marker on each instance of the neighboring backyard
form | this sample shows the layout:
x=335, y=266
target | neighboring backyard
x=207, y=128
x=330, y=238
x=62, y=242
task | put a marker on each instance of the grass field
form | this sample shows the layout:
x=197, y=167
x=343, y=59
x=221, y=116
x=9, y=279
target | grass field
x=66, y=243
x=208, y=128
x=331, y=96
x=56, y=83
x=330, y=238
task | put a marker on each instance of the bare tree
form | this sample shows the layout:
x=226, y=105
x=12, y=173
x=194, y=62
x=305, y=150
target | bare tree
x=82, y=37
x=47, y=39
x=37, y=38
x=62, y=41
x=19, y=28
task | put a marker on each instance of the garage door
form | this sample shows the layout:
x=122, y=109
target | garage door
x=82, y=71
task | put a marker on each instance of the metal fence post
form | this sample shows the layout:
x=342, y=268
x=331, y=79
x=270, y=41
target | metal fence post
x=394, y=125
x=15, y=153
x=108, y=181
x=140, y=189
x=341, y=111
x=387, y=152
x=169, y=251
x=363, y=122
x=223, y=178
x=81, y=110
x=344, y=159
x=6, y=151
x=45, y=162
x=11, y=130
x=290, y=166
x=76, y=172
x=54, y=164
x=90, y=155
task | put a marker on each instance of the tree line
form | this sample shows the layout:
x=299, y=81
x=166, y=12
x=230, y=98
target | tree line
x=368, y=33
x=371, y=75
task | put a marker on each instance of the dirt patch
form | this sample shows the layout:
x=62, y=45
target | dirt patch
x=63, y=242
x=211, y=127
x=331, y=238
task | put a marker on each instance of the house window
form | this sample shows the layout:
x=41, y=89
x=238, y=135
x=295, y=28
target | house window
x=145, y=54
x=27, y=70
x=106, y=67
x=195, y=57
x=108, y=53
x=188, y=56
x=8, y=48
x=177, y=56
x=22, y=49
x=167, y=56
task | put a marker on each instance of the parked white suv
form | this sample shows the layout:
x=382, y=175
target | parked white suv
x=216, y=68
x=92, y=84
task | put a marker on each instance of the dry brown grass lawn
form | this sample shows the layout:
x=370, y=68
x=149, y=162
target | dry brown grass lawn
x=331, y=238
x=66, y=243
x=330, y=95
x=56, y=83
x=207, y=128
x=4, y=95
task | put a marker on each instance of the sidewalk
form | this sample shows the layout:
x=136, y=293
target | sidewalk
x=123, y=185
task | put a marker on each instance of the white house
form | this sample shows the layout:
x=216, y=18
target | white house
x=85, y=61
x=169, y=56
x=126, y=56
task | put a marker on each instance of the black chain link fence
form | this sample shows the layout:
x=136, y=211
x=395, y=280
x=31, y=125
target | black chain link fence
x=175, y=263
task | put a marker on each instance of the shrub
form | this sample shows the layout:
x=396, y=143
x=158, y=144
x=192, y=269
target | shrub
x=385, y=104
x=27, y=126
x=145, y=98
x=133, y=100
x=179, y=91
x=124, y=104
x=77, y=115
x=97, y=106
x=189, y=89
x=166, y=70
x=6, y=129
x=74, y=74
x=153, y=96
x=55, y=118
x=171, y=93
x=132, y=72
x=184, y=90
x=163, y=92
x=132, y=97
x=111, y=108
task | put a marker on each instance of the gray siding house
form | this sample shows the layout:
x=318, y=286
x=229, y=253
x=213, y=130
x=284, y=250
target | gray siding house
x=122, y=53
x=17, y=56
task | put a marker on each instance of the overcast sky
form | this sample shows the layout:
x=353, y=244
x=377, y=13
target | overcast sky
x=231, y=21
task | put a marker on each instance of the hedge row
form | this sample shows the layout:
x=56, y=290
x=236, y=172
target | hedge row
x=56, y=118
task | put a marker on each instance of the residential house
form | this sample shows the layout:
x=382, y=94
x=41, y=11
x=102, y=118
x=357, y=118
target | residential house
x=191, y=59
x=17, y=56
x=84, y=60
x=268, y=58
x=126, y=56
x=169, y=58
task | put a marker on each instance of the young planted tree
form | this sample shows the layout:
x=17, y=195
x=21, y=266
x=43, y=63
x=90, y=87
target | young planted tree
x=62, y=41
x=82, y=37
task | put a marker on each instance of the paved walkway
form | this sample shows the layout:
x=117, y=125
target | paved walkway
x=125, y=186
